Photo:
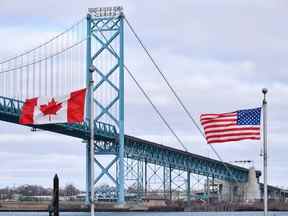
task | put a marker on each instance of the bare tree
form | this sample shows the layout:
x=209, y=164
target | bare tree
x=70, y=190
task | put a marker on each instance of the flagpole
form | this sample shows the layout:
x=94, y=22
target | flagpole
x=264, y=107
x=92, y=69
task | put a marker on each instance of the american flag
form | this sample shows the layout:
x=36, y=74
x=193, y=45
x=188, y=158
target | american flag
x=232, y=126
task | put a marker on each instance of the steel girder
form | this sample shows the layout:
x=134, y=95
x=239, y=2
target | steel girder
x=165, y=156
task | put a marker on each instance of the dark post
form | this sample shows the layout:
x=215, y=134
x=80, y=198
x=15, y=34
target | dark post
x=145, y=179
x=170, y=183
x=188, y=188
x=55, y=204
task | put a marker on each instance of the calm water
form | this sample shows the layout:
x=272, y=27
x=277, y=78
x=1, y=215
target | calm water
x=151, y=214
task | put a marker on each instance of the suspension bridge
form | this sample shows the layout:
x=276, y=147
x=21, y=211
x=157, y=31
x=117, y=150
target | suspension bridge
x=63, y=64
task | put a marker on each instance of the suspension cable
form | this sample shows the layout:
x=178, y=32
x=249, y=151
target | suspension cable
x=147, y=97
x=176, y=95
x=155, y=108
x=44, y=44
x=43, y=59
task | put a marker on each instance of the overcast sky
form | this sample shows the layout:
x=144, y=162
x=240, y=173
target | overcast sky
x=217, y=54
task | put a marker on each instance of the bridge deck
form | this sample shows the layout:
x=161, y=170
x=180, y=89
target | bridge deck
x=135, y=148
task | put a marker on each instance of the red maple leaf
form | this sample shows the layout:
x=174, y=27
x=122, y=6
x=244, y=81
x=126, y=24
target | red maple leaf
x=51, y=108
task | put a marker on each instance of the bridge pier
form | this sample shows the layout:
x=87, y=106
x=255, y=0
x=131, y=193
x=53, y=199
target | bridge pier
x=252, y=189
x=247, y=191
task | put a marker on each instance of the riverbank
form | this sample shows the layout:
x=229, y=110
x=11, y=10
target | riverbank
x=72, y=206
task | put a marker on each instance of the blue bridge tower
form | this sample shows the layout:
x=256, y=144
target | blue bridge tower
x=105, y=40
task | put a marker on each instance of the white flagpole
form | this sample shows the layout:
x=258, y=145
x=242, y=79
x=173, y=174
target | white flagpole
x=92, y=69
x=264, y=107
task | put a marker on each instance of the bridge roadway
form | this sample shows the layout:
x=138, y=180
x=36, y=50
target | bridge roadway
x=135, y=148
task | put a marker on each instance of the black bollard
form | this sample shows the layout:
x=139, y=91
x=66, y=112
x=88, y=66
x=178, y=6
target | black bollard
x=55, y=204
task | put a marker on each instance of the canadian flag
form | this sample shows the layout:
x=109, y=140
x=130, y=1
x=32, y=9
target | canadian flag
x=43, y=110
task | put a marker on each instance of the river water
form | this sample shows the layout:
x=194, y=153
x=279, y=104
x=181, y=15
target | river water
x=147, y=214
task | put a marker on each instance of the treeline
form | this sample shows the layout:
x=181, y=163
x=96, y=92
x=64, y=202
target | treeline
x=36, y=190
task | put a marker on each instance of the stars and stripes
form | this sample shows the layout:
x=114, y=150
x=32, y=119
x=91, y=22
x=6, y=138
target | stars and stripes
x=233, y=126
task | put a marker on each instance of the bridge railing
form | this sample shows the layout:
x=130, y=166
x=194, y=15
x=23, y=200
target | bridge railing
x=11, y=108
x=101, y=128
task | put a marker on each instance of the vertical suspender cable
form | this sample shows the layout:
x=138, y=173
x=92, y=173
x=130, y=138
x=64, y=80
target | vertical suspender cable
x=70, y=72
x=1, y=80
x=57, y=71
x=14, y=79
x=8, y=79
x=47, y=66
x=3, y=77
x=27, y=77
x=71, y=62
x=78, y=69
x=78, y=66
x=5, y=80
x=49, y=62
x=65, y=64
x=34, y=57
x=40, y=72
x=21, y=79
x=44, y=66
x=52, y=69
x=17, y=78
x=68, y=64
x=62, y=83
x=12, y=65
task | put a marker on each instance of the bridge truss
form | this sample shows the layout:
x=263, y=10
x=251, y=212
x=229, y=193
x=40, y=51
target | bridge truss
x=151, y=167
